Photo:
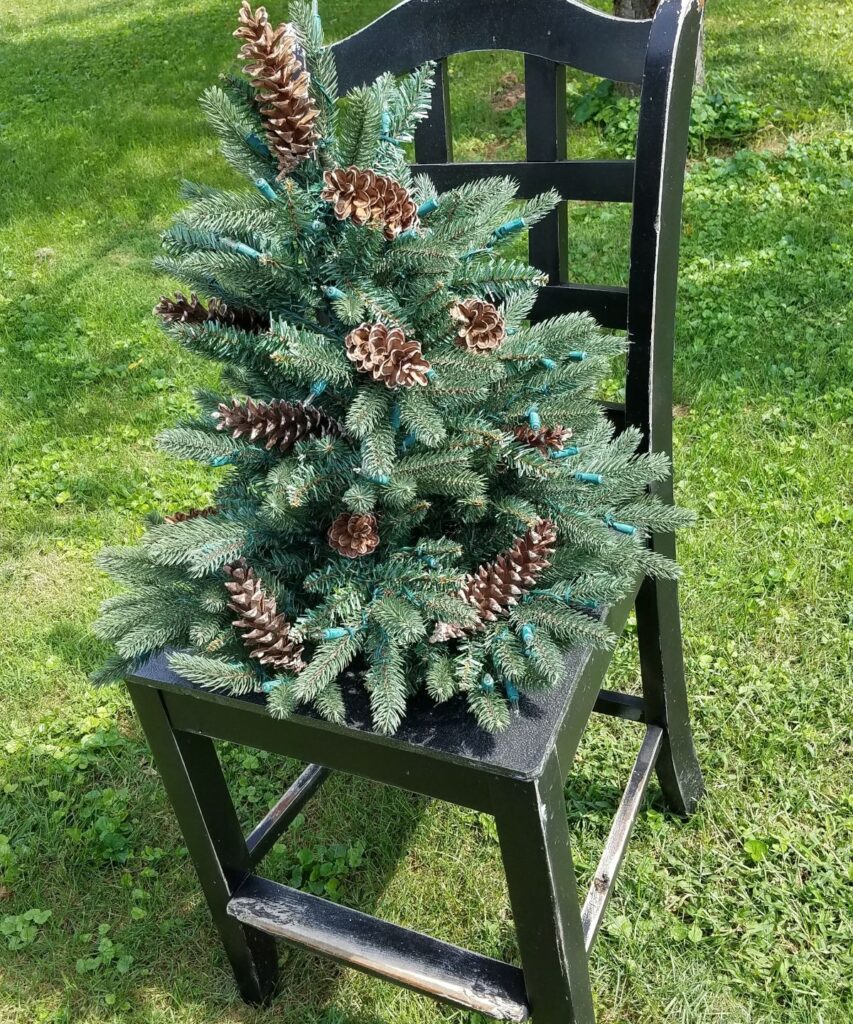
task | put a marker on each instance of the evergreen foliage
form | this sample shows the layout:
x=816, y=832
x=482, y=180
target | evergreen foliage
x=434, y=460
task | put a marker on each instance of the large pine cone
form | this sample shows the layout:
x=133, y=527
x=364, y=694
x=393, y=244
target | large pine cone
x=278, y=424
x=363, y=196
x=386, y=355
x=265, y=633
x=193, y=311
x=277, y=68
x=481, y=326
x=354, y=536
x=546, y=439
x=496, y=586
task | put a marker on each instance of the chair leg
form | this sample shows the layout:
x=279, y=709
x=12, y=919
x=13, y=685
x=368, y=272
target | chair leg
x=665, y=692
x=534, y=837
x=196, y=787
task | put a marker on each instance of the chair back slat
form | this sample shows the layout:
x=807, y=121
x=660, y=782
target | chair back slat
x=545, y=138
x=607, y=303
x=610, y=181
x=434, y=135
x=657, y=54
x=564, y=31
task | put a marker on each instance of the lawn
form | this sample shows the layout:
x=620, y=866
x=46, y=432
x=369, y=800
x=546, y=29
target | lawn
x=742, y=914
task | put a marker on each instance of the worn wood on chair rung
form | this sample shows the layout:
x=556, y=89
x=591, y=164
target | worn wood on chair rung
x=609, y=305
x=266, y=833
x=601, y=887
x=438, y=969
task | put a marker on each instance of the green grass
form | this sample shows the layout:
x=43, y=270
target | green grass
x=743, y=914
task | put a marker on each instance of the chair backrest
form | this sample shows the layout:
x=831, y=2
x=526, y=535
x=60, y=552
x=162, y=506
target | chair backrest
x=657, y=54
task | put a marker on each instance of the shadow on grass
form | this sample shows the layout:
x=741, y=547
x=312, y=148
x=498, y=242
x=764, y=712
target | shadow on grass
x=104, y=852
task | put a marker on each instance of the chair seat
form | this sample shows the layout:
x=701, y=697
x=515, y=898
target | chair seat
x=446, y=732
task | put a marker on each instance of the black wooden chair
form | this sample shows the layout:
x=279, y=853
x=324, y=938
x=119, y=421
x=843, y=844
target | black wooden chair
x=517, y=776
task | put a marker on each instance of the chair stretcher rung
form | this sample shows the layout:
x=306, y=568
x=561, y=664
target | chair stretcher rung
x=456, y=976
x=604, y=879
x=266, y=833
x=621, y=705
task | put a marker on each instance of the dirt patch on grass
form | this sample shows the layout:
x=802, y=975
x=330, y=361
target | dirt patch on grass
x=509, y=94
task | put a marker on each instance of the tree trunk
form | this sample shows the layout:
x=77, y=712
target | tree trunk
x=646, y=9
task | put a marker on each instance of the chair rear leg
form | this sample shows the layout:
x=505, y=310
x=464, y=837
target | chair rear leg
x=534, y=837
x=665, y=692
x=192, y=776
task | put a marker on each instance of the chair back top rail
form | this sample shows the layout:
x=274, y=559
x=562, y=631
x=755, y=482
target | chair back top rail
x=564, y=31
x=659, y=55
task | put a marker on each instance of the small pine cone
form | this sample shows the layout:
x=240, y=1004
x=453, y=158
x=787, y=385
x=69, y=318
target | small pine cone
x=496, y=586
x=386, y=355
x=192, y=513
x=481, y=326
x=353, y=192
x=278, y=424
x=354, y=536
x=546, y=439
x=264, y=632
x=445, y=631
x=193, y=311
x=282, y=82
x=395, y=211
x=363, y=197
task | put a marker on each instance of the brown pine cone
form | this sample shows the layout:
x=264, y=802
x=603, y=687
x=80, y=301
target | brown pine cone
x=363, y=197
x=546, y=439
x=481, y=326
x=278, y=424
x=264, y=632
x=354, y=536
x=353, y=192
x=496, y=586
x=277, y=67
x=386, y=355
x=192, y=513
x=396, y=210
x=193, y=311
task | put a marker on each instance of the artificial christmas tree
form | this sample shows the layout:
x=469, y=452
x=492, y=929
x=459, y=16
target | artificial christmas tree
x=415, y=481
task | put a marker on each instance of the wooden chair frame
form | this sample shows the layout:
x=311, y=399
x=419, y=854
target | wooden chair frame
x=517, y=776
